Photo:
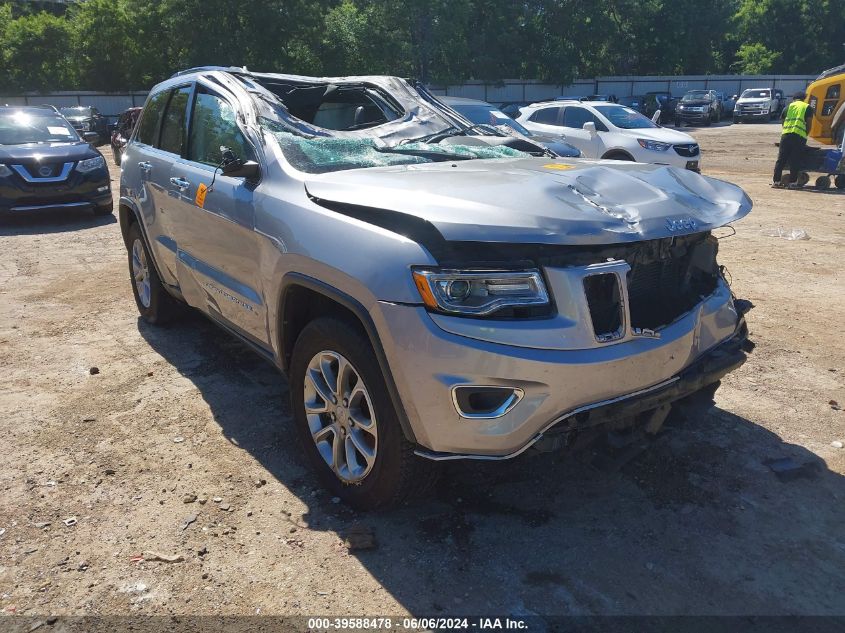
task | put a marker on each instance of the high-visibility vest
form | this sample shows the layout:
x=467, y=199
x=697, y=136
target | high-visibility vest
x=794, y=122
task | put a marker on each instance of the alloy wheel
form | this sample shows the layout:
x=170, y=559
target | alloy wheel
x=141, y=273
x=340, y=416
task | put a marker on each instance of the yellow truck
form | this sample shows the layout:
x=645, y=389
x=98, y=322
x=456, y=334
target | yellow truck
x=827, y=97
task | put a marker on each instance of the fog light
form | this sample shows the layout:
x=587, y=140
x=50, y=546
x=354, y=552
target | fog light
x=102, y=189
x=473, y=401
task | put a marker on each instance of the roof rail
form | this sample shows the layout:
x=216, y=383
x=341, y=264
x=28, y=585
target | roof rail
x=241, y=70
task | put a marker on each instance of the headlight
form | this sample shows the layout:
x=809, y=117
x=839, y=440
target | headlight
x=656, y=146
x=680, y=107
x=85, y=126
x=479, y=293
x=90, y=164
x=5, y=172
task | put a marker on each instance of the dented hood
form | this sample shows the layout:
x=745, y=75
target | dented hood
x=535, y=200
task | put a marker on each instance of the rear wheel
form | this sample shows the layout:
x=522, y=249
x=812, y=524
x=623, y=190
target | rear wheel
x=803, y=179
x=823, y=182
x=154, y=303
x=839, y=181
x=346, y=421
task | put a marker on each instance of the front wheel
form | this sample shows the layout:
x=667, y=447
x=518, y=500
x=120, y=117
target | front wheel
x=346, y=422
x=839, y=181
x=154, y=303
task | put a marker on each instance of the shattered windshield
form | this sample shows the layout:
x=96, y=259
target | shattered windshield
x=321, y=154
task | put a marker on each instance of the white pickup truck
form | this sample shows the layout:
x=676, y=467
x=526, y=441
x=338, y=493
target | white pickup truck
x=758, y=103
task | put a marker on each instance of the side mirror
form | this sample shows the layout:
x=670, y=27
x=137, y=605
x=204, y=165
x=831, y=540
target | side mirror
x=656, y=117
x=248, y=169
x=590, y=127
x=91, y=137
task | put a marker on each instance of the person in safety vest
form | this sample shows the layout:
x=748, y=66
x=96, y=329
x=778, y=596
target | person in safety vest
x=797, y=121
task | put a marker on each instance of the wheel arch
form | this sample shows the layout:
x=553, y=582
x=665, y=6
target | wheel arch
x=612, y=154
x=302, y=299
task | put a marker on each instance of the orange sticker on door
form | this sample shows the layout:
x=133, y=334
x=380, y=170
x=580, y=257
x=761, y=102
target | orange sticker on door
x=200, y=197
x=559, y=166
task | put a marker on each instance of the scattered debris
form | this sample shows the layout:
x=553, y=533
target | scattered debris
x=137, y=559
x=202, y=500
x=178, y=439
x=31, y=550
x=70, y=521
x=837, y=444
x=83, y=565
x=189, y=498
x=322, y=593
x=360, y=537
x=2, y=531
x=89, y=418
x=217, y=499
x=203, y=551
x=834, y=405
x=165, y=558
x=42, y=524
x=260, y=482
x=787, y=469
x=292, y=530
x=109, y=471
x=188, y=520
x=249, y=513
x=225, y=507
x=94, y=370
x=787, y=234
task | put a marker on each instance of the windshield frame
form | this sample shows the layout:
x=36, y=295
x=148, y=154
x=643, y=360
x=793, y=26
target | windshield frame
x=76, y=111
x=45, y=119
x=501, y=118
x=636, y=116
x=745, y=94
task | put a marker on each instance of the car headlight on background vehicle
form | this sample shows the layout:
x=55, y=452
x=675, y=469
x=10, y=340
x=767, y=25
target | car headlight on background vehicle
x=90, y=164
x=85, y=126
x=5, y=172
x=656, y=146
x=479, y=293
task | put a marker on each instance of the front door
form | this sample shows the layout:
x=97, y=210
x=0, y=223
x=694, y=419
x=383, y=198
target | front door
x=217, y=246
x=590, y=144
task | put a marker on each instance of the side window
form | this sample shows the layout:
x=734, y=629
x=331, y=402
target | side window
x=831, y=98
x=149, y=118
x=213, y=124
x=173, y=123
x=548, y=116
x=576, y=117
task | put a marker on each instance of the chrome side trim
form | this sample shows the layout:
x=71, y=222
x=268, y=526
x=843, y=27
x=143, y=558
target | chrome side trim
x=517, y=394
x=58, y=205
x=23, y=172
x=440, y=457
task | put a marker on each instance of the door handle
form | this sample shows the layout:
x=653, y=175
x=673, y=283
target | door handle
x=180, y=183
x=145, y=166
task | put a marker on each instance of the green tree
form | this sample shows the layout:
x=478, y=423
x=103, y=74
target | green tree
x=36, y=53
x=756, y=59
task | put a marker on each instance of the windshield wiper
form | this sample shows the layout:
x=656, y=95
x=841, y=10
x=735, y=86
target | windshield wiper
x=436, y=137
x=424, y=153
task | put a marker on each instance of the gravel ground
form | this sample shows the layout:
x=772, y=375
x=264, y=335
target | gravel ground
x=696, y=524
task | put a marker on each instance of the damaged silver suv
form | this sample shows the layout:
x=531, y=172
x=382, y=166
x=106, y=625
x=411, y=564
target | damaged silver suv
x=433, y=289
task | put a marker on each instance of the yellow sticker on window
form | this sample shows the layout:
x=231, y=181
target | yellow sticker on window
x=200, y=197
x=560, y=166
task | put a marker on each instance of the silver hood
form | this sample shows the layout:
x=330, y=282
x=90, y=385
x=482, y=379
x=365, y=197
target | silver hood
x=535, y=200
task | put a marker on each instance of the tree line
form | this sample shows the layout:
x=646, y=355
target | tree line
x=115, y=45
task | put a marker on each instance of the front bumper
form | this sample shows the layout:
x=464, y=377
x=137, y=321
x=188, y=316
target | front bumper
x=79, y=191
x=751, y=114
x=427, y=362
x=690, y=117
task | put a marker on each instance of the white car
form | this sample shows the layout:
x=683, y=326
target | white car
x=608, y=130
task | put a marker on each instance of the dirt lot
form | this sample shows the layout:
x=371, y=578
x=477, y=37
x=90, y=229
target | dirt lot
x=697, y=524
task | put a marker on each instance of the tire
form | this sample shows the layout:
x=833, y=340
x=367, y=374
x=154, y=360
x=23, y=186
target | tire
x=823, y=183
x=737, y=120
x=155, y=304
x=393, y=473
x=105, y=209
x=839, y=181
x=618, y=156
x=707, y=122
x=678, y=123
x=803, y=178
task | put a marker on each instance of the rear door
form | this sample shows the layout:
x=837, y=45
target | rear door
x=545, y=120
x=216, y=246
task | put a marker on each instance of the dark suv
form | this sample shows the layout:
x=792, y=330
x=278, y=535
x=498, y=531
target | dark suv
x=44, y=164
x=122, y=132
x=87, y=119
